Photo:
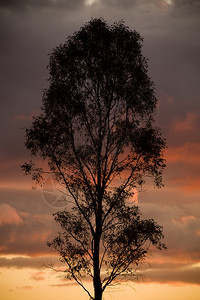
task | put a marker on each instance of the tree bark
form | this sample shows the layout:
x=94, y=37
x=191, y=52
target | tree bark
x=96, y=265
x=97, y=279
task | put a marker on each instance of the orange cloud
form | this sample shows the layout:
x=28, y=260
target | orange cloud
x=184, y=220
x=9, y=215
x=38, y=276
x=187, y=219
x=188, y=153
x=184, y=167
x=165, y=4
x=38, y=236
x=187, y=184
x=188, y=124
x=27, y=287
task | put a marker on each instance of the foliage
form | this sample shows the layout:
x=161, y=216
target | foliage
x=97, y=133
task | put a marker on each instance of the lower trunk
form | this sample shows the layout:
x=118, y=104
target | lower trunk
x=97, y=290
x=97, y=278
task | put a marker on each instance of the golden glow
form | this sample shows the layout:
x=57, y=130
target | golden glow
x=90, y=2
x=196, y=265
x=46, y=284
x=169, y=2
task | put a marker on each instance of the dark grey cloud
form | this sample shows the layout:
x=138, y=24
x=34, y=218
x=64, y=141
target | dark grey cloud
x=188, y=275
x=26, y=41
x=24, y=262
x=25, y=200
x=187, y=6
x=126, y=4
x=23, y=5
x=171, y=42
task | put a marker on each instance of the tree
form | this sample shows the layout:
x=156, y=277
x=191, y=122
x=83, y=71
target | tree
x=96, y=131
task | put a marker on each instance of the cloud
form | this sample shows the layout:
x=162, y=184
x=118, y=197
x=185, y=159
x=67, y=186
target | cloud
x=189, y=124
x=187, y=219
x=31, y=29
x=174, y=276
x=63, y=284
x=181, y=226
x=184, y=127
x=187, y=7
x=146, y=4
x=28, y=4
x=172, y=271
x=77, y=4
x=26, y=287
x=184, y=178
x=180, y=5
x=25, y=233
x=187, y=153
x=38, y=276
x=9, y=215
x=183, y=167
x=29, y=241
x=181, y=223
x=19, y=262
x=122, y=4
x=24, y=56
x=25, y=117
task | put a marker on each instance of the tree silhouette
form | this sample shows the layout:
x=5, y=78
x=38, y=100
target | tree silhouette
x=97, y=133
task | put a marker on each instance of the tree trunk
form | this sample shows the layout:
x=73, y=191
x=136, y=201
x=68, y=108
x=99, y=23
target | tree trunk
x=96, y=265
x=97, y=236
x=97, y=290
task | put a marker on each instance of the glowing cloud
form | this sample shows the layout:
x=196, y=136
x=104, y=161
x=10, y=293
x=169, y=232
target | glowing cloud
x=9, y=215
x=189, y=153
x=169, y=2
x=189, y=124
x=38, y=276
x=90, y=2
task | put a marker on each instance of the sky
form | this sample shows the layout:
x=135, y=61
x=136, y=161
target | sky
x=29, y=30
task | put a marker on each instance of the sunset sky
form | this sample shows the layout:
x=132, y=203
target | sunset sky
x=29, y=30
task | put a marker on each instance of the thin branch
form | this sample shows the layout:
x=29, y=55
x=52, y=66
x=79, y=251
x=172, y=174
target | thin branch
x=82, y=244
x=83, y=173
x=121, y=190
x=76, y=279
x=104, y=253
x=75, y=199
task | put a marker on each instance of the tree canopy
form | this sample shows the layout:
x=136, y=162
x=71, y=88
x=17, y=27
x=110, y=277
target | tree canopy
x=97, y=133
